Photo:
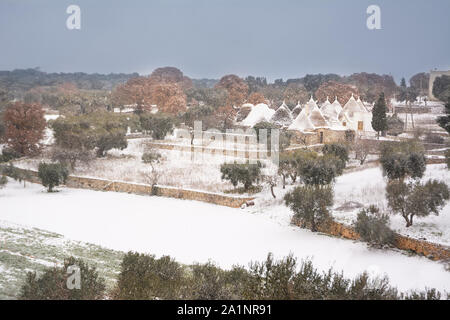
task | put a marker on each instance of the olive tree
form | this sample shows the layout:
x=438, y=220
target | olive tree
x=52, y=174
x=320, y=171
x=416, y=199
x=244, y=173
x=373, y=227
x=310, y=204
x=152, y=158
x=158, y=125
x=401, y=160
x=336, y=149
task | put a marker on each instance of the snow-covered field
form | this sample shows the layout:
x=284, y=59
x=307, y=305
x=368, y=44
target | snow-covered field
x=25, y=249
x=177, y=168
x=368, y=187
x=194, y=231
x=180, y=169
x=425, y=121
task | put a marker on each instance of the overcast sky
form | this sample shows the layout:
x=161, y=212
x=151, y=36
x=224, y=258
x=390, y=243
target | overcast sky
x=211, y=38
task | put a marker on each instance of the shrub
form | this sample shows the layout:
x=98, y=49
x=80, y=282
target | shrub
x=310, y=204
x=244, y=173
x=290, y=163
x=434, y=138
x=350, y=136
x=52, y=285
x=271, y=279
x=144, y=277
x=209, y=283
x=373, y=227
x=285, y=167
x=362, y=148
x=285, y=279
x=151, y=157
x=100, y=130
x=403, y=159
x=110, y=139
x=416, y=199
x=16, y=174
x=159, y=125
x=338, y=150
x=395, y=125
x=321, y=170
x=8, y=154
x=52, y=174
x=70, y=157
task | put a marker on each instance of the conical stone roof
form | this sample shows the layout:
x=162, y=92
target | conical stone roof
x=296, y=111
x=282, y=117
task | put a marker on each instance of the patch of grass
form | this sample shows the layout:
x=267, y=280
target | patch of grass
x=23, y=250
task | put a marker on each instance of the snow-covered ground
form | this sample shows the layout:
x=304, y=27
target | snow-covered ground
x=425, y=121
x=177, y=168
x=194, y=231
x=368, y=187
x=25, y=249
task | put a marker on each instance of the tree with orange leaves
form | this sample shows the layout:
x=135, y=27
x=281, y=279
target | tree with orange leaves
x=24, y=127
x=226, y=115
x=256, y=98
x=169, y=97
x=136, y=91
x=236, y=88
x=171, y=75
x=164, y=88
x=332, y=89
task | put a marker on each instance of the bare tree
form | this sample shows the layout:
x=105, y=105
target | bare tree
x=363, y=147
x=271, y=181
x=152, y=157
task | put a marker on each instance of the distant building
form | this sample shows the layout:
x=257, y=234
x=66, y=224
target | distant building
x=313, y=125
x=355, y=116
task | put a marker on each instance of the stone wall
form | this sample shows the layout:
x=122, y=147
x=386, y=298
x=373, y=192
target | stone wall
x=144, y=189
x=244, y=153
x=413, y=109
x=312, y=138
x=430, y=250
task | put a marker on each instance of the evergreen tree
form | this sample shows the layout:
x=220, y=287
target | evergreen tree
x=52, y=174
x=444, y=121
x=403, y=83
x=379, y=120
